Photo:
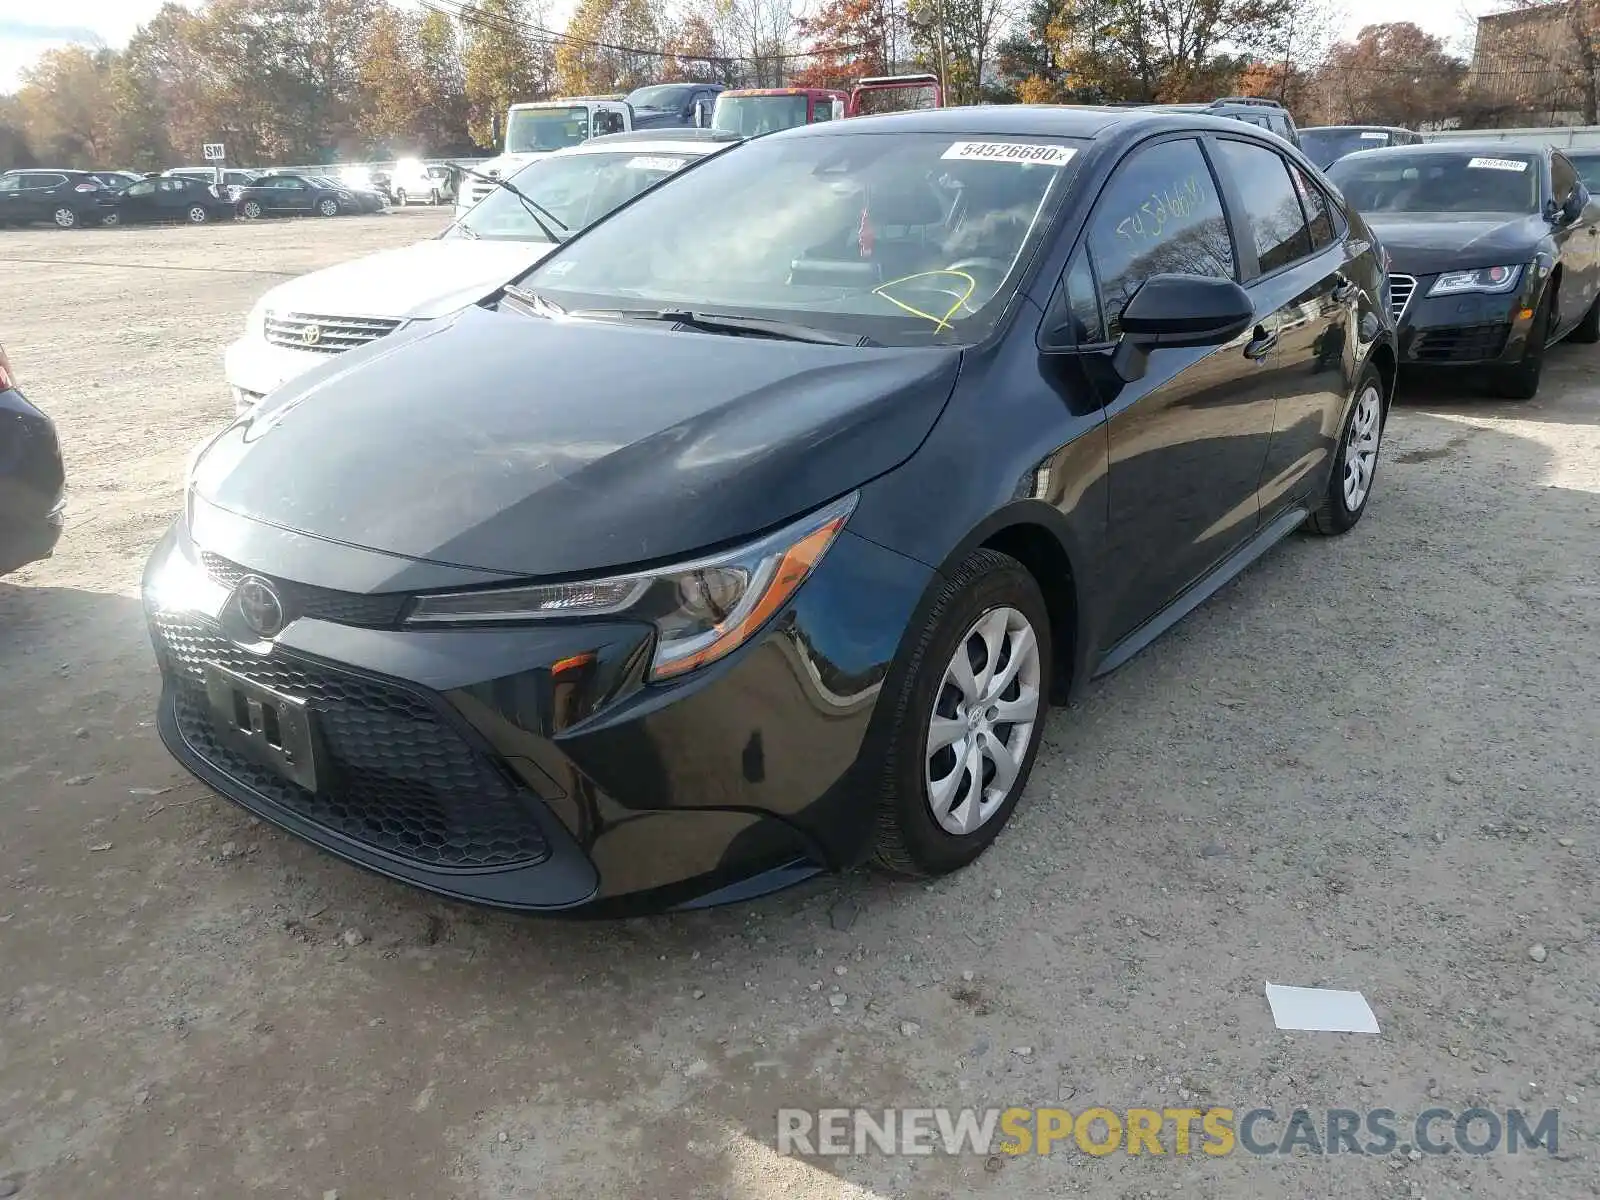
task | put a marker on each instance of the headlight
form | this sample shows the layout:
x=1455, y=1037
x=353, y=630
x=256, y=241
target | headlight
x=1484, y=279
x=702, y=610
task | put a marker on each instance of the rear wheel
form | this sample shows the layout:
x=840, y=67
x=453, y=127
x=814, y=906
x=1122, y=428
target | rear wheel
x=1521, y=382
x=111, y=218
x=328, y=207
x=1356, y=463
x=65, y=217
x=962, y=718
x=199, y=214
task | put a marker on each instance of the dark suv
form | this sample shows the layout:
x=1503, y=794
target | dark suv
x=66, y=198
x=765, y=549
x=1252, y=110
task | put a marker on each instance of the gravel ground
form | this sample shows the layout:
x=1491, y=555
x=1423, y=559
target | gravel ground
x=1370, y=763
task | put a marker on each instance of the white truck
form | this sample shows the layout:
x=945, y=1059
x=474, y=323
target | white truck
x=540, y=127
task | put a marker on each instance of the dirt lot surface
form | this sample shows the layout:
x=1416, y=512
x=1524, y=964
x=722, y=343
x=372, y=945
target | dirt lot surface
x=1370, y=763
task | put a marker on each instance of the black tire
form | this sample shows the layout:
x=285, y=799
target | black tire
x=65, y=218
x=1588, y=331
x=251, y=210
x=1521, y=382
x=1335, y=515
x=198, y=214
x=111, y=219
x=909, y=840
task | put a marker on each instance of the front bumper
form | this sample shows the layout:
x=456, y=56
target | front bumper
x=533, y=767
x=26, y=541
x=255, y=368
x=1468, y=329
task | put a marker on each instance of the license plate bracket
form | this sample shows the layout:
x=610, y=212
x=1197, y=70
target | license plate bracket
x=265, y=725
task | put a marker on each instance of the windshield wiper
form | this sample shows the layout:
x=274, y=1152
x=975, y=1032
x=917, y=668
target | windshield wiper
x=532, y=301
x=737, y=326
x=537, y=211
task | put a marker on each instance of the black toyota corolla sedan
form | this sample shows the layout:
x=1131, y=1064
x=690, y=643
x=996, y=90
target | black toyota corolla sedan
x=752, y=532
x=1495, y=253
x=32, y=483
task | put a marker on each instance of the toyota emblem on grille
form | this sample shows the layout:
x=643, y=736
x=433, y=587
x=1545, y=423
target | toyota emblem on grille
x=260, y=607
x=311, y=334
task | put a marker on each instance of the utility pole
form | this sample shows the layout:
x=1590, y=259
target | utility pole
x=940, y=19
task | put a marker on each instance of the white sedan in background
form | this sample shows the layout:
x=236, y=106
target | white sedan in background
x=299, y=325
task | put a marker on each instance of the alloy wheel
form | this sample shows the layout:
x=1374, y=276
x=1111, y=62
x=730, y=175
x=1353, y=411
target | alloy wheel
x=252, y=210
x=198, y=214
x=111, y=218
x=1361, y=448
x=65, y=217
x=329, y=208
x=983, y=720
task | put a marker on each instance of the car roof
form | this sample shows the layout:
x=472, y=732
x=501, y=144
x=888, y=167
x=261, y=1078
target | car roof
x=669, y=138
x=1343, y=128
x=1021, y=120
x=1459, y=146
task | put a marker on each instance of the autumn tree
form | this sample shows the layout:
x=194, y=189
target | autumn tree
x=696, y=53
x=65, y=104
x=847, y=39
x=442, y=123
x=503, y=63
x=958, y=41
x=610, y=46
x=1392, y=74
x=761, y=37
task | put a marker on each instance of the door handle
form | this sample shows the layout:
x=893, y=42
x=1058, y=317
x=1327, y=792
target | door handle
x=1344, y=290
x=1261, y=345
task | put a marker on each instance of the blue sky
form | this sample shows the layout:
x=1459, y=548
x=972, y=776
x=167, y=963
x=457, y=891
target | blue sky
x=29, y=27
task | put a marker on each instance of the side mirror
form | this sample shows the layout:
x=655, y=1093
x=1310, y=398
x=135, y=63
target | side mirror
x=1179, y=310
x=1577, y=200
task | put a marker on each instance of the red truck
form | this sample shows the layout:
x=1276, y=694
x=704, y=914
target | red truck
x=894, y=93
x=754, y=111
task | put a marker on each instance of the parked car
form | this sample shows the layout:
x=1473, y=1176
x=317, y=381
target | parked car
x=418, y=183
x=1252, y=110
x=64, y=198
x=668, y=105
x=367, y=199
x=33, y=493
x=1493, y=253
x=232, y=178
x=1587, y=164
x=297, y=325
x=293, y=195
x=752, y=112
x=1327, y=144
x=750, y=533
x=170, y=199
x=116, y=179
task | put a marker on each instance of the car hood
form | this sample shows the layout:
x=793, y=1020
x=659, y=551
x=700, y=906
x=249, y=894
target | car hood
x=429, y=279
x=1427, y=243
x=532, y=447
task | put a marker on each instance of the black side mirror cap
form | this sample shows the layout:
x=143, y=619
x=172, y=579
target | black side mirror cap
x=1179, y=310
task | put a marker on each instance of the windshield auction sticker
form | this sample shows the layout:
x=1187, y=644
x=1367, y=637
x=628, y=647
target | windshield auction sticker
x=1012, y=152
x=1499, y=164
x=645, y=162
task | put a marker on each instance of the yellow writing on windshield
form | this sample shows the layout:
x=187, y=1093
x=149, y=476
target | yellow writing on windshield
x=942, y=323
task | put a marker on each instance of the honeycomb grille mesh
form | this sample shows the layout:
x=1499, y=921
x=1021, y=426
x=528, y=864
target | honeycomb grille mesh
x=393, y=774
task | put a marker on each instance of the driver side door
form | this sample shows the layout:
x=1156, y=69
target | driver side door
x=291, y=194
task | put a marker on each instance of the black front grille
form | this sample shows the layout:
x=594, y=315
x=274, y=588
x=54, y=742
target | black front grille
x=1466, y=343
x=394, y=773
x=303, y=600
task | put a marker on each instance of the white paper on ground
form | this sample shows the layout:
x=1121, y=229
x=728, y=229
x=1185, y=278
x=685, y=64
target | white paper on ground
x=1322, y=1009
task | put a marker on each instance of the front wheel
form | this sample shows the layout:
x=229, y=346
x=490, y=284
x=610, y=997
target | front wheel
x=111, y=218
x=328, y=208
x=1521, y=382
x=199, y=214
x=65, y=217
x=960, y=720
x=1356, y=463
x=250, y=210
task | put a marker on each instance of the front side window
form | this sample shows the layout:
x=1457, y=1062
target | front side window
x=534, y=130
x=1563, y=178
x=1160, y=214
x=1490, y=180
x=1272, y=209
x=576, y=189
x=1083, y=303
x=147, y=188
x=902, y=238
x=11, y=183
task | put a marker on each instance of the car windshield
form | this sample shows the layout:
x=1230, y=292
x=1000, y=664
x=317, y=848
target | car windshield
x=534, y=129
x=752, y=116
x=1327, y=146
x=901, y=98
x=901, y=238
x=1487, y=181
x=661, y=95
x=1588, y=166
x=577, y=189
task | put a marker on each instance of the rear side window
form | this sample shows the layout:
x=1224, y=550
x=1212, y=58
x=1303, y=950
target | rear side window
x=1272, y=209
x=1160, y=213
x=1318, y=218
